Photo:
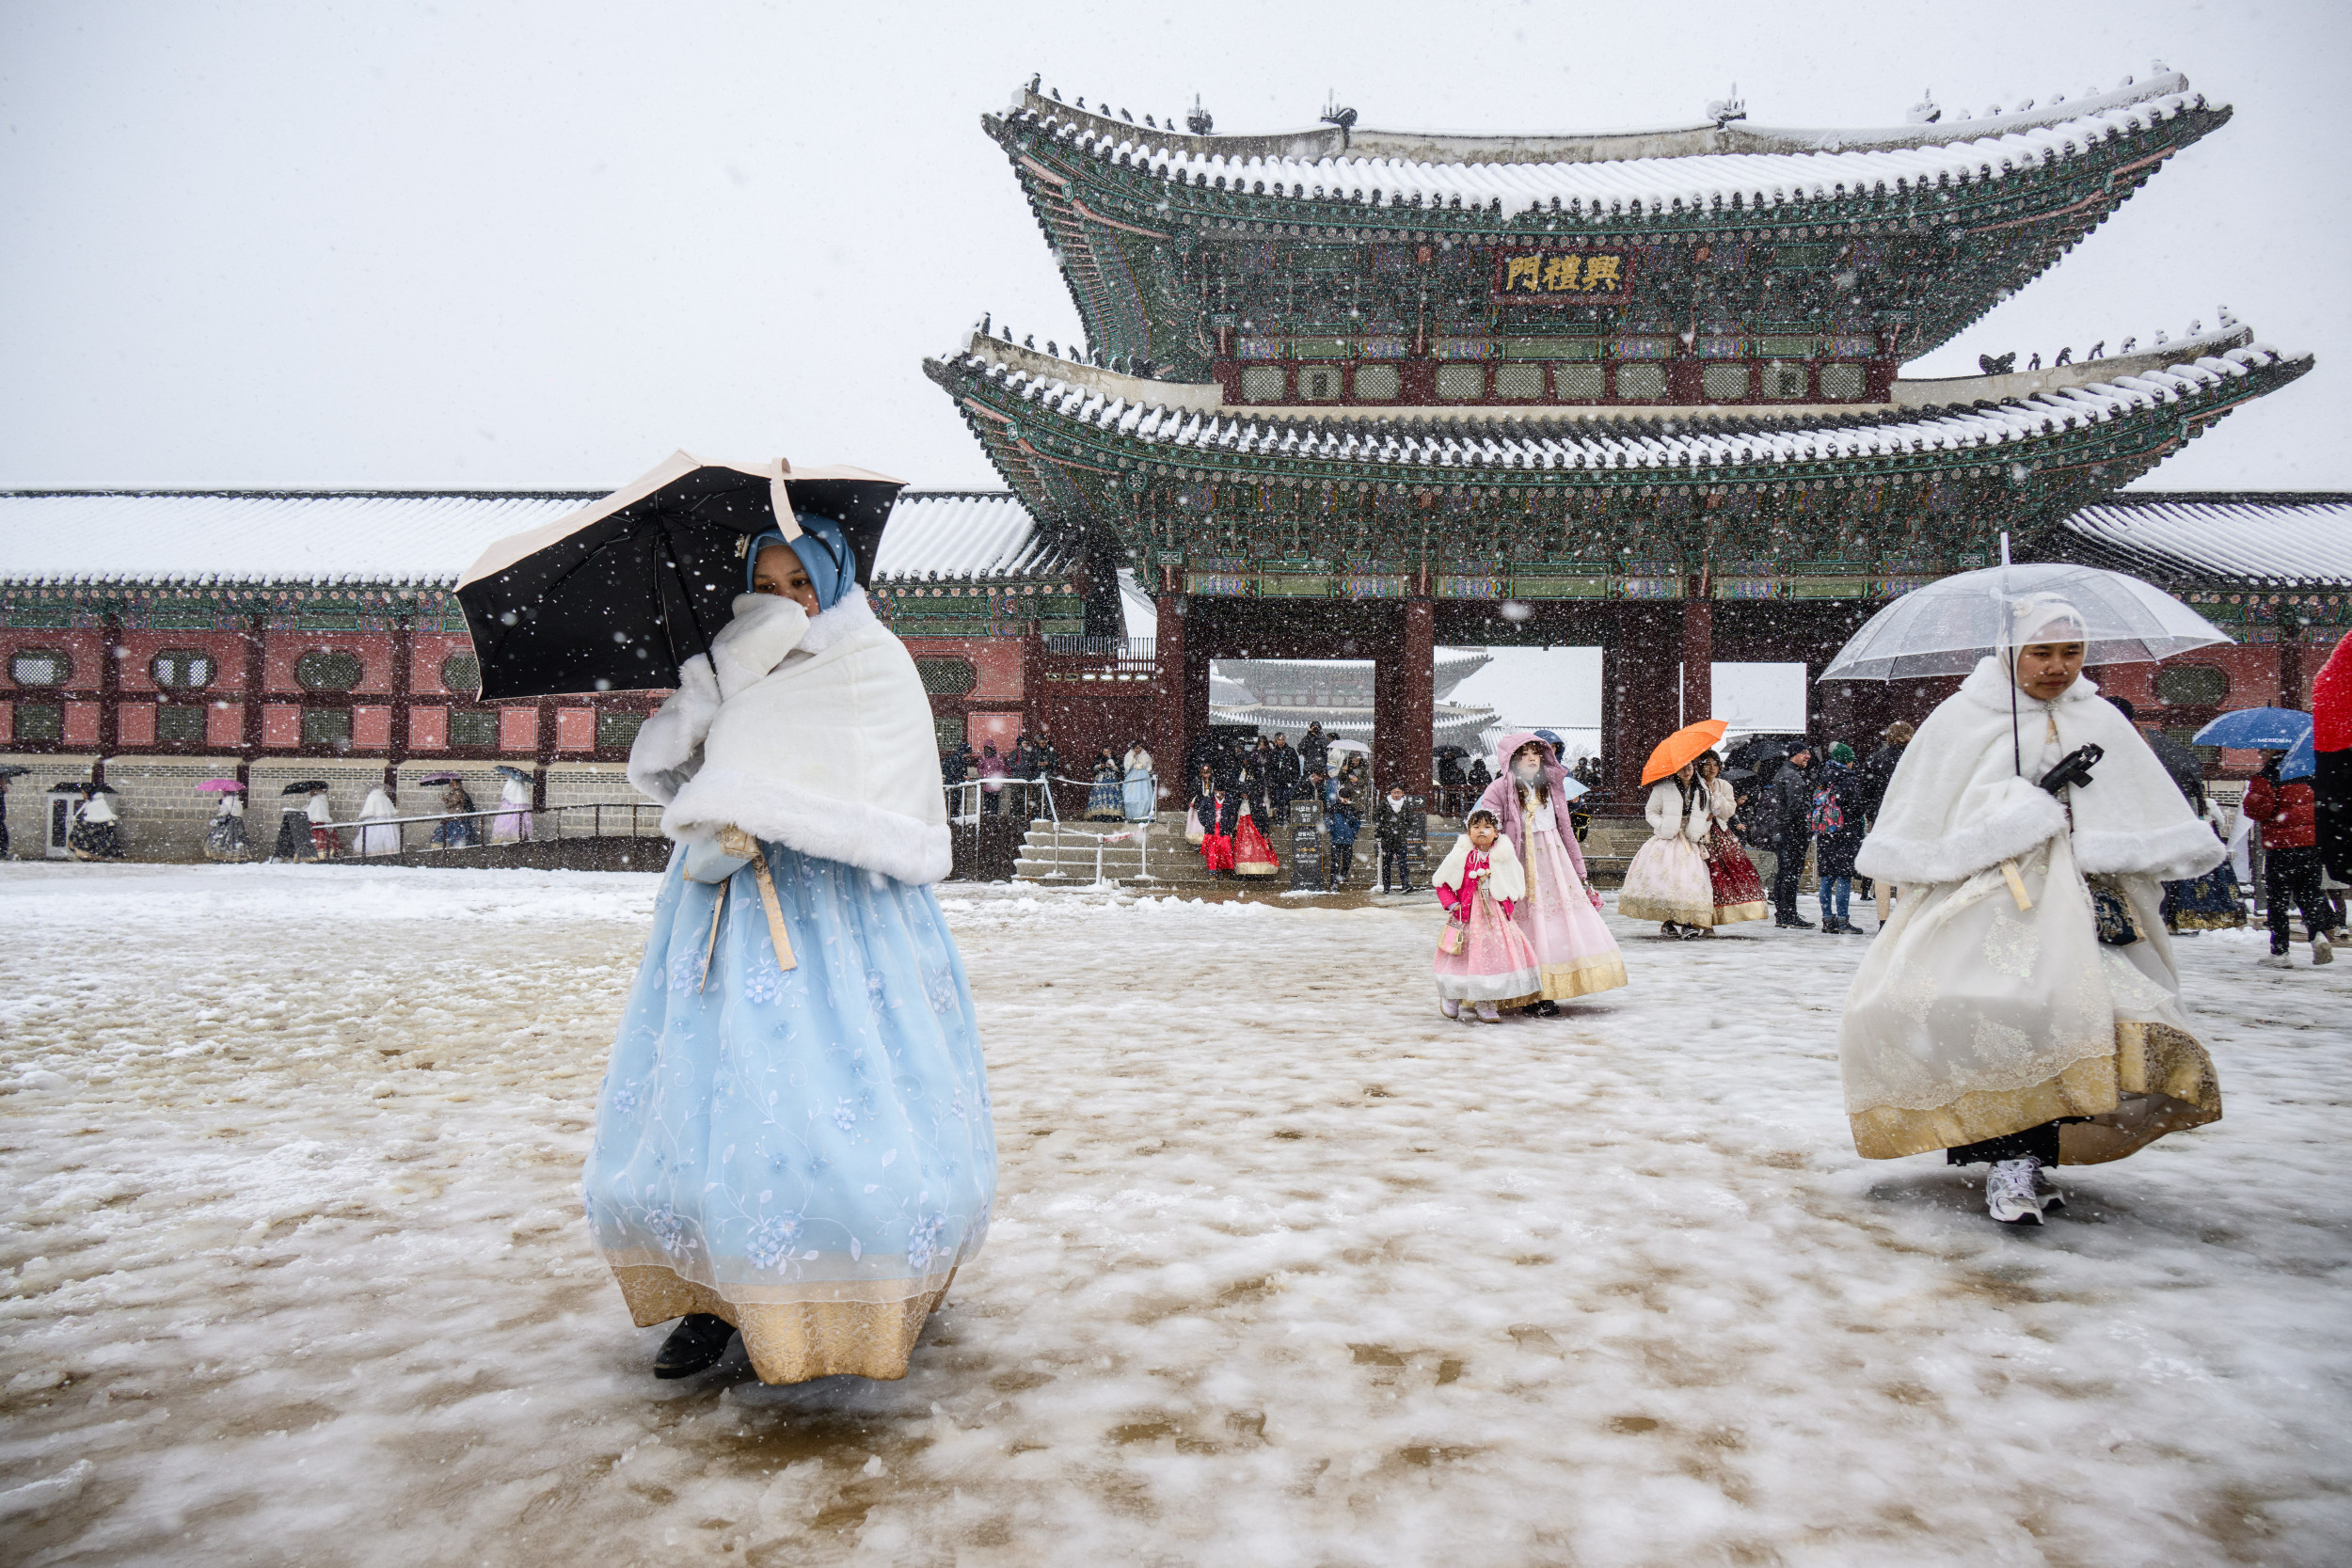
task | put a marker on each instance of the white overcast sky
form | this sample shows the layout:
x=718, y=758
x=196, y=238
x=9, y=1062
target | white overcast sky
x=544, y=244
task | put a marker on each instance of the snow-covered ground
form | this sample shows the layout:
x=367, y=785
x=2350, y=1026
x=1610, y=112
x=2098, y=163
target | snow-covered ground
x=1287, y=1270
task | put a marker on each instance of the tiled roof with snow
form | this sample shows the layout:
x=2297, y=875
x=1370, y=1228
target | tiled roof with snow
x=1760, y=166
x=1436, y=438
x=964, y=534
x=423, y=539
x=2218, y=536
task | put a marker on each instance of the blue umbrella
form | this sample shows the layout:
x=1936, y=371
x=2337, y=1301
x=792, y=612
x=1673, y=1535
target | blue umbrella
x=2264, y=728
x=2302, y=760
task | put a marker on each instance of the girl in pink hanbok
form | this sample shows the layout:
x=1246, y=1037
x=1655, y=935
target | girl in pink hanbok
x=1574, y=952
x=1483, y=959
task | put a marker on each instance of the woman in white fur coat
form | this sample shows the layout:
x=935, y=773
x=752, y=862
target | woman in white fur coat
x=2022, y=1008
x=793, y=1139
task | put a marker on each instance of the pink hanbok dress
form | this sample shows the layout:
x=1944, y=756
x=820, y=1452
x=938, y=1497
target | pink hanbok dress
x=1574, y=950
x=1497, y=964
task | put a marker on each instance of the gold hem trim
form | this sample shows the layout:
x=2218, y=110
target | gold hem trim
x=1641, y=908
x=2158, y=1080
x=1567, y=982
x=1731, y=914
x=797, y=1341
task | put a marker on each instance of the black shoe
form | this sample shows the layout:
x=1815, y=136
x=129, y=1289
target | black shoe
x=1831, y=928
x=1794, y=923
x=695, y=1345
x=1544, y=1010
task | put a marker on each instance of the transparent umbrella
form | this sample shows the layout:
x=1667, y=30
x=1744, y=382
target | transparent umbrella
x=1944, y=629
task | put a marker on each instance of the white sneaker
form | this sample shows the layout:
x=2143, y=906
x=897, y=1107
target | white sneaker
x=1450, y=1005
x=2323, y=952
x=2013, y=1194
x=2277, y=960
x=1487, y=1014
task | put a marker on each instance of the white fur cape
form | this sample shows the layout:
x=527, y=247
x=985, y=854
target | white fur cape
x=809, y=731
x=1958, y=805
x=1505, y=877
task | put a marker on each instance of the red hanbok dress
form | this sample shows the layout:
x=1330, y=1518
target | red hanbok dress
x=1739, y=891
x=1252, y=856
x=1216, y=845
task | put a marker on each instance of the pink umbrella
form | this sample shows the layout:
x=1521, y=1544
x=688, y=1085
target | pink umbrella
x=215, y=785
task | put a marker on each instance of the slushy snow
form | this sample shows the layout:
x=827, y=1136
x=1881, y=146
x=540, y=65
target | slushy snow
x=1286, y=1268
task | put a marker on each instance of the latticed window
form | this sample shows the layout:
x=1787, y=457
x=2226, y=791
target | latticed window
x=477, y=727
x=180, y=725
x=40, y=721
x=1841, y=383
x=1724, y=382
x=1786, y=383
x=1377, y=383
x=328, y=670
x=617, y=732
x=950, y=731
x=1262, y=384
x=1319, y=384
x=1518, y=380
x=326, y=726
x=947, y=677
x=39, y=667
x=1580, y=383
x=2193, y=685
x=1642, y=383
x=182, y=669
x=461, y=673
x=1461, y=381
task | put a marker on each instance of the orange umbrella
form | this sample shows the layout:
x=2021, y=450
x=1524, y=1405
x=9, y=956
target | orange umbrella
x=1687, y=744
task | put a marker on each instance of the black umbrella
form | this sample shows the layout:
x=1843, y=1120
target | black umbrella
x=12, y=772
x=615, y=596
x=305, y=787
x=514, y=773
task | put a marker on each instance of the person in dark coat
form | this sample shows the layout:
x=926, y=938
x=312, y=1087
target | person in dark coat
x=1785, y=822
x=1394, y=833
x=1283, y=771
x=1836, y=822
x=1877, y=769
x=1346, y=815
x=1314, y=748
x=1477, y=778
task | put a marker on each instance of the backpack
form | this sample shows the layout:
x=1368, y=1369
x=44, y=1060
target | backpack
x=1828, y=816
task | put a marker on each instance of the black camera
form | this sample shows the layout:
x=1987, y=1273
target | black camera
x=2073, y=768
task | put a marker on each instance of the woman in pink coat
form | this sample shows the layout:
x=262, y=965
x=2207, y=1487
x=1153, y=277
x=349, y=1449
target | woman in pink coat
x=1575, y=954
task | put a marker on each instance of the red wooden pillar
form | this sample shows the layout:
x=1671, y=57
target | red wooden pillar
x=1175, y=728
x=1416, y=698
x=1641, y=699
x=404, y=660
x=109, y=697
x=1698, y=655
x=249, y=732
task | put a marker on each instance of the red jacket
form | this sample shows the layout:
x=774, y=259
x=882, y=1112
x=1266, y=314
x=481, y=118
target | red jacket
x=2282, y=811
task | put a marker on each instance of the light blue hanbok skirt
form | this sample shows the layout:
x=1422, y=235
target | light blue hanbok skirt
x=806, y=1153
x=1142, y=795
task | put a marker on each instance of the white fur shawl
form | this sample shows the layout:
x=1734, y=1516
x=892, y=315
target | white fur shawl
x=813, y=733
x=1956, y=806
x=1505, y=877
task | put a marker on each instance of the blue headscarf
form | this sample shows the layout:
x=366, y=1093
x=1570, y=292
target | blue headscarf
x=824, y=551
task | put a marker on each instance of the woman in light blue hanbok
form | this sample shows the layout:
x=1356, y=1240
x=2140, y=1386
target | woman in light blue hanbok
x=1142, y=789
x=794, y=1139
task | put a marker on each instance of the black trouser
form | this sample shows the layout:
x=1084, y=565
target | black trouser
x=1343, y=863
x=2293, y=874
x=1786, y=874
x=2035, y=1143
x=1395, y=870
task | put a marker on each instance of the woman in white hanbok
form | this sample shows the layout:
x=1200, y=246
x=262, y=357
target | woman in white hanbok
x=381, y=837
x=2022, y=1008
x=1668, y=880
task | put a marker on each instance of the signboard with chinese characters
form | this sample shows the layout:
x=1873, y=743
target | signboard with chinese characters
x=1561, y=274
